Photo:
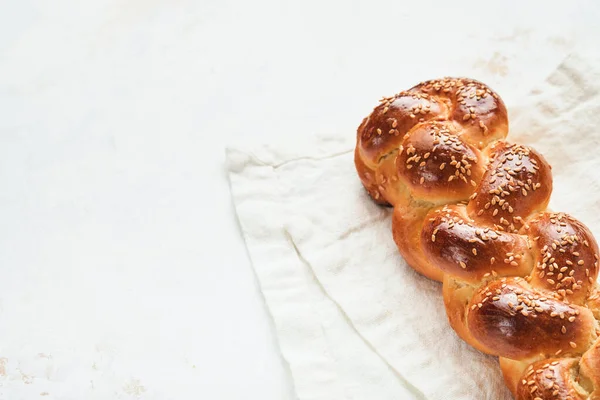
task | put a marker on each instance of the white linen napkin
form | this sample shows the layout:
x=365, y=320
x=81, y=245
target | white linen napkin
x=352, y=319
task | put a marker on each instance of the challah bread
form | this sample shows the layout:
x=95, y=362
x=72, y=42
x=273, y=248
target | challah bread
x=470, y=211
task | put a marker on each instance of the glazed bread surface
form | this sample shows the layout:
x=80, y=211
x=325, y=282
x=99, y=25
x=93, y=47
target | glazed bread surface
x=470, y=211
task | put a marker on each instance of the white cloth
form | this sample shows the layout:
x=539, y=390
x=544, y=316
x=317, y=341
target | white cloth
x=353, y=320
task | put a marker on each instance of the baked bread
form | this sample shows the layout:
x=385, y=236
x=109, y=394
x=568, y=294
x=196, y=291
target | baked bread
x=470, y=211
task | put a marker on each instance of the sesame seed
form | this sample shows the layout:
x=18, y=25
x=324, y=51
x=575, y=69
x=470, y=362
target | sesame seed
x=533, y=389
x=463, y=265
x=573, y=344
x=563, y=329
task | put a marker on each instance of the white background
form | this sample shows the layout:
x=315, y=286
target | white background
x=124, y=274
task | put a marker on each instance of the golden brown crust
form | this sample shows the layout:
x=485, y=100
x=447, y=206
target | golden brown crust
x=477, y=114
x=470, y=210
x=437, y=165
x=516, y=321
x=394, y=117
x=513, y=370
x=593, y=301
x=369, y=180
x=406, y=225
x=566, y=256
x=480, y=112
x=589, y=367
x=460, y=248
x=517, y=183
x=457, y=295
x=551, y=379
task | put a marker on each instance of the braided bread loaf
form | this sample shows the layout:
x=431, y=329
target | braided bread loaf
x=519, y=281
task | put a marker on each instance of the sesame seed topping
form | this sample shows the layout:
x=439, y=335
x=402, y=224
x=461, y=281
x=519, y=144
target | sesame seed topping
x=533, y=389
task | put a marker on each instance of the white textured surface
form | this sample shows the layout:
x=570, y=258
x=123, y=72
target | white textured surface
x=124, y=274
x=332, y=276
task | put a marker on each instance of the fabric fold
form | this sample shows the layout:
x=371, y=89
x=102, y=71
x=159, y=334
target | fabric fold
x=353, y=320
